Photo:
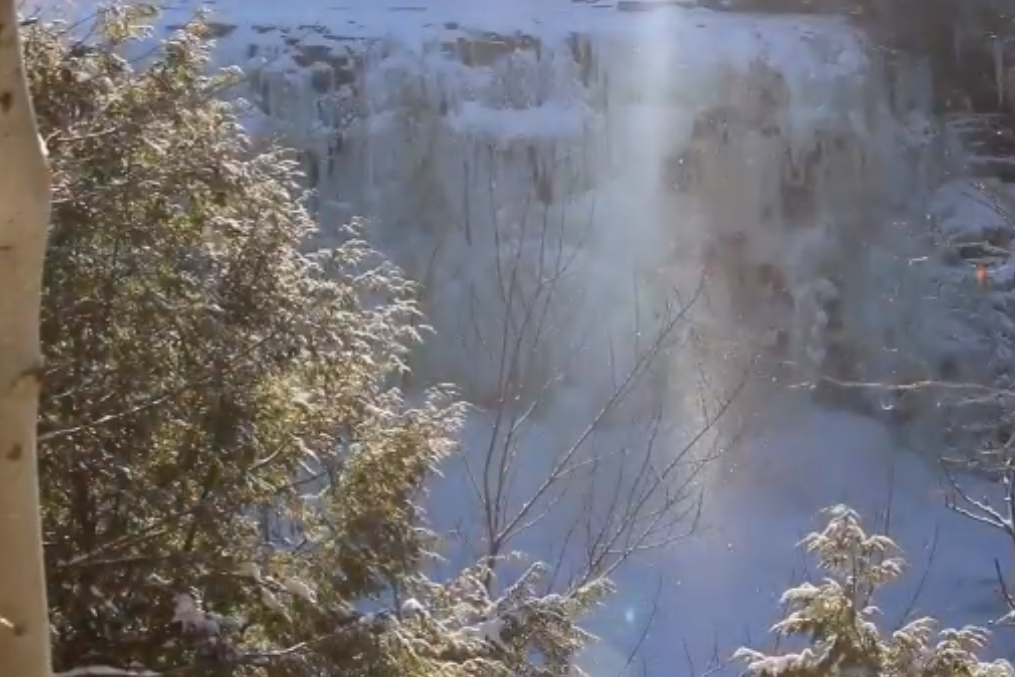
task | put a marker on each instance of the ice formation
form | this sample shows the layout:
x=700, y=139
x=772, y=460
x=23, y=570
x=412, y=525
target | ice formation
x=589, y=176
x=591, y=161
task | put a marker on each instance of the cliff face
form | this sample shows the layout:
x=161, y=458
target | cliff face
x=788, y=149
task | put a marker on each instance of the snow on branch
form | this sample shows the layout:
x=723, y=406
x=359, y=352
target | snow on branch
x=106, y=671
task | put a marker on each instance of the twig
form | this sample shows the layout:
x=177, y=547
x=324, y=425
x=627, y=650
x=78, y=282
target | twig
x=1004, y=586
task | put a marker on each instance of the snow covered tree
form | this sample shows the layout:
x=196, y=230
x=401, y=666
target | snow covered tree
x=24, y=212
x=836, y=618
x=231, y=484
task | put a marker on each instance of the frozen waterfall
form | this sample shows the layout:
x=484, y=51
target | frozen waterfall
x=567, y=192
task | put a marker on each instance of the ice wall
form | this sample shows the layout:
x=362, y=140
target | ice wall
x=490, y=166
x=594, y=175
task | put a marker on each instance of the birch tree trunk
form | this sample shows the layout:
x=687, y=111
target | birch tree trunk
x=24, y=218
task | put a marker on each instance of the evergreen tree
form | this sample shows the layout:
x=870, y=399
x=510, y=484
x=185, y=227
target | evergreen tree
x=230, y=484
x=836, y=619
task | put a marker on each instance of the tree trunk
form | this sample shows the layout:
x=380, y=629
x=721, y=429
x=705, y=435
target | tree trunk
x=24, y=218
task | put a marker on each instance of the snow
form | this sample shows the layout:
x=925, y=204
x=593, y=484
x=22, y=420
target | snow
x=106, y=671
x=413, y=607
x=413, y=23
x=188, y=613
x=971, y=211
x=816, y=458
x=270, y=600
x=551, y=121
x=443, y=158
x=301, y=589
x=250, y=570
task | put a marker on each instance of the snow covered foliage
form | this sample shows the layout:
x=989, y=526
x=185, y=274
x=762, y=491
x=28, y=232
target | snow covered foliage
x=837, y=618
x=230, y=482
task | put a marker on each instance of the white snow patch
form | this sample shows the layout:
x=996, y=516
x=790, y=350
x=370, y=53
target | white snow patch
x=188, y=613
x=548, y=121
x=301, y=589
x=106, y=671
x=413, y=607
x=970, y=210
x=488, y=631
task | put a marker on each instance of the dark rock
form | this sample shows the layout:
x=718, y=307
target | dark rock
x=950, y=256
x=322, y=80
x=312, y=163
x=345, y=66
x=214, y=29
x=999, y=167
x=799, y=202
x=486, y=49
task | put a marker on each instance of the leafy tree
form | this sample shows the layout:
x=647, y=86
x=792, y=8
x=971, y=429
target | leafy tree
x=231, y=484
x=836, y=618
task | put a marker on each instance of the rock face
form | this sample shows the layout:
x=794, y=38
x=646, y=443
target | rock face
x=969, y=47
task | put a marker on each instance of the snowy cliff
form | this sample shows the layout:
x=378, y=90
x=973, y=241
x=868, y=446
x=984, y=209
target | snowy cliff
x=782, y=157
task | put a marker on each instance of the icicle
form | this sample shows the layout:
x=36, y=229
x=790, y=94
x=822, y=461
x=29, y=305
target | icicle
x=926, y=89
x=998, y=49
x=957, y=42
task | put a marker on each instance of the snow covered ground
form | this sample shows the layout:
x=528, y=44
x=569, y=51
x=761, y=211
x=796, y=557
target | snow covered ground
x=724, y=583
x=487, y=135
